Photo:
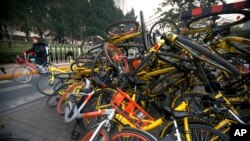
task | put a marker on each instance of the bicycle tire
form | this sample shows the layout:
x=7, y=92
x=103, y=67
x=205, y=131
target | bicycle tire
x=143, y=32
x=162, y=25
x=131, y=134
x=208, y=56
x=116, y=58
x=60, y=83
x=20, y=75
x=241, y=61
x=103, y=133
x=90, y=43
x=59, y=108
x=100, y=100
x=130, y=27
x=99, y=76
x=165, y=82
x=64, y=76
x=198, y=127
x=227, y=25
x=53, y=99
x=83, y=61
x=240, y=44
x=44, y=84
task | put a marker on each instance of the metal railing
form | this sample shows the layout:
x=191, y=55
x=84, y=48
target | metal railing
x=59, y=51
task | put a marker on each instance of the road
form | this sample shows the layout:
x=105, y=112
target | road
x=14, y=94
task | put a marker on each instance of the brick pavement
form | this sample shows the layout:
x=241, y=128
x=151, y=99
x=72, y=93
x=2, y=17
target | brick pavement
x=36, y=122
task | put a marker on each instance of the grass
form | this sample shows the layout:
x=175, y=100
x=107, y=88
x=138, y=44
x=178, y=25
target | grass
x=17, y=47
x=8, y=55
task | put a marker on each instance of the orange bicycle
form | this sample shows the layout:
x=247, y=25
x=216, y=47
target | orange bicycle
x=23, y=73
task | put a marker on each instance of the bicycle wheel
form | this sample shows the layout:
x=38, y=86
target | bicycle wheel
x=100, y=100
x=22, y=74
x=91, y=42
x=74, y=88
x=132, y=134
x=100, y=70
x=241, y=61
x=59, y=89
x=143, y=32
x=160, y=27
x=45, y=85
x=121, y=28
x=240, y=44
x=198, y=132
x=52, y=100
x=102, y=135
x=205, y=55
x=116, y=58
x=222, y=19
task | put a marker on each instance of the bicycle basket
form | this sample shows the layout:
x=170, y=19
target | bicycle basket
x=130, y=110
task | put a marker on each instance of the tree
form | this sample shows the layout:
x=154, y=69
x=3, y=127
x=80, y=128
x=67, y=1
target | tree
x=11, y=18
x=61, y=19
x=100, y=15
x=39, y=10
x=131, y=15
x=177, y=6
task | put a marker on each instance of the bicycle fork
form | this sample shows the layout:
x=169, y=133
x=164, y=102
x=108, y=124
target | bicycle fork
x=176, y=133
x=111, y=114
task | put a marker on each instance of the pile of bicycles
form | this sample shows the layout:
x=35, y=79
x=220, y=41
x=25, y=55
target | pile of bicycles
x=192, y=82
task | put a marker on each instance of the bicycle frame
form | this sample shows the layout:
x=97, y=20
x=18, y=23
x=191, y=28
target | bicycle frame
x=118, y=39
x=78, y=115
x=224, y=125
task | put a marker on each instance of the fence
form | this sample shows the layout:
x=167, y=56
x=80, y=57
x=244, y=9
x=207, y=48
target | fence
x=59, y=51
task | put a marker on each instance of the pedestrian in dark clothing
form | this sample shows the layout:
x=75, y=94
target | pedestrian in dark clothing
x=3, y=70
x=41, y=51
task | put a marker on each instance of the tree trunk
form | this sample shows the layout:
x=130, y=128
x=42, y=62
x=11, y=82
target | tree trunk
x=1, y=33
x=10, y=41
x=27, y=33
x=40, y=32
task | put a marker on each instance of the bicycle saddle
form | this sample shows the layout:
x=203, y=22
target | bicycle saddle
x=174, y=113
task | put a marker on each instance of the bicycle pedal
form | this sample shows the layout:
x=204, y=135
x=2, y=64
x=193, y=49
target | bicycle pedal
x=75, y=135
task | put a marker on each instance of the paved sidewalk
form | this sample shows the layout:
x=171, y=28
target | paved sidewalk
x=34, y=121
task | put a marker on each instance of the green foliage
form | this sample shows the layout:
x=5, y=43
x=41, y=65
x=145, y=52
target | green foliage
x=8, y=55
x=131, y=15
x=62, y=19
x=182, y=5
